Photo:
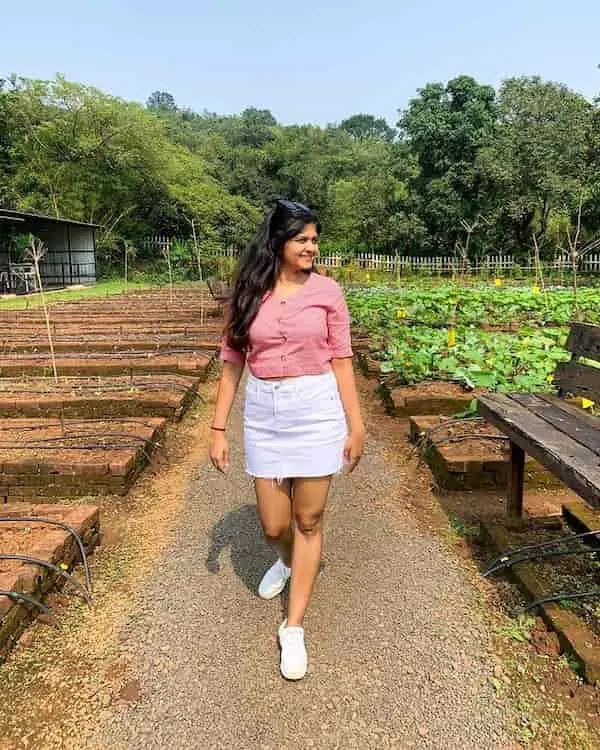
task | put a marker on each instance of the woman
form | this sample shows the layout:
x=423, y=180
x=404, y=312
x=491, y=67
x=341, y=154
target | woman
x=292, y=327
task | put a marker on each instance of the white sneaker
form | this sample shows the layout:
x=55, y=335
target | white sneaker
x=274, y=580
x=294, y=660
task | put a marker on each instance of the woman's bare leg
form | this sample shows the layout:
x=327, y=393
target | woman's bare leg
x=274, y=505
x=310, y=495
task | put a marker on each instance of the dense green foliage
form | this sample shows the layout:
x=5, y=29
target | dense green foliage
x=410, y=327
x=508, y=164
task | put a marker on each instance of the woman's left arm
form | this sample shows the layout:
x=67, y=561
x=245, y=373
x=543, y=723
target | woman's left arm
x=355, y=443
x=340, y=346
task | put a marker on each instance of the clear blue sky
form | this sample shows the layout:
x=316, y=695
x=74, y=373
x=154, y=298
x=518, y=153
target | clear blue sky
x=305, y=61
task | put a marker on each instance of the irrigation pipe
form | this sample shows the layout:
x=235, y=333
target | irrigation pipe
x=70, y=422
x=51, y=566
x=500, y=562
x=470, y=436
x=74, y=533
x=133, y=354
x=543, y=555
x=450, y=422
x=558, y=598
x=17, y=595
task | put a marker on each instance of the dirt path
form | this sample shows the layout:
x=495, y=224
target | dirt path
x=398, y=654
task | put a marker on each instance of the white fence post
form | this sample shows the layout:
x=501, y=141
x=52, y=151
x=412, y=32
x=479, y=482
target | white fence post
x=437, y=264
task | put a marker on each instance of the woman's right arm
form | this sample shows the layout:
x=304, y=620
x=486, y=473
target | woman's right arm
x=228, y=385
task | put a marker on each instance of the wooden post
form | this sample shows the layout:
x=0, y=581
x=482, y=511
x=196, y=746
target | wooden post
x=514, y=501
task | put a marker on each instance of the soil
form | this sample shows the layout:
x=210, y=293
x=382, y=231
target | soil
x=109, y=363
x=491, y=446
x=21, y=540
x=50, y=443
x=429, y=397
x=142, y=385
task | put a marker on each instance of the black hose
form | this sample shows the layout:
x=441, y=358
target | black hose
x=26, y=598
x=74, y=533
x=450, y=422
x=539, y=545
x=133, y=354
x=542, y=556
x=88, y=447
x=471, y=436
x=50, y=566
x=71, y=422
x=560, y=597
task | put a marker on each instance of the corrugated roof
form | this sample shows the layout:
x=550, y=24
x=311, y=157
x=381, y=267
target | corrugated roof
x=7, y=213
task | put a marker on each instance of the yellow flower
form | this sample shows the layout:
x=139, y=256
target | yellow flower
x=408, y=364
x=368, y=277
x=401, y=314
x=550, y=378
x=586, y=403
x=536, y=290
x=452, y=337
x=497, y=282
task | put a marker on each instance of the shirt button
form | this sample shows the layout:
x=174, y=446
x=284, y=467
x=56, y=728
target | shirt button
x=283, y=302
x=284, y=338
x=283, y=356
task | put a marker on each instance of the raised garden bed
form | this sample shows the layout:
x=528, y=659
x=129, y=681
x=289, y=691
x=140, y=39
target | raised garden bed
x=93, y=328
x=114, y=342
x=461, y=461
x=428, y=397
x=144, y=395
x=44, y=542
x=195, y=365
x=63, y=458
x=576, y=621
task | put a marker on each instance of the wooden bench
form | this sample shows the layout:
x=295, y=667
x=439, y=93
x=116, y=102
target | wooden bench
x=561, y=436
x=220, y=292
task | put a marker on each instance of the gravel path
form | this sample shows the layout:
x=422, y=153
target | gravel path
x=397, y=655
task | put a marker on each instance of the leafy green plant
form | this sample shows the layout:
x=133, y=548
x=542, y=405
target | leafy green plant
x=519, y=629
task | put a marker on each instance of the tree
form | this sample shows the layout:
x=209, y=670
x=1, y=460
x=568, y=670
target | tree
x=365, y=127
x=536, y=160
x=161, y=101
x=444, y=127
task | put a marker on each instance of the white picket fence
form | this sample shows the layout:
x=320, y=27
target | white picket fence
x=440, y=264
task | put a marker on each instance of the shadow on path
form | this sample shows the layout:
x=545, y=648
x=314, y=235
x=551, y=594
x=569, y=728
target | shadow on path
x=240, y=530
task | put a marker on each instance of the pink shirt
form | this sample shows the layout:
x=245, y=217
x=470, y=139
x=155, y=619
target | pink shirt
x=297, y=336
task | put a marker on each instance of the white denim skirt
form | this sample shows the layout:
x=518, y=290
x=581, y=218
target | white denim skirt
x=294, y=427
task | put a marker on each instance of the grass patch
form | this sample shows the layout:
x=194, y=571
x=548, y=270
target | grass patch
x=102, y=289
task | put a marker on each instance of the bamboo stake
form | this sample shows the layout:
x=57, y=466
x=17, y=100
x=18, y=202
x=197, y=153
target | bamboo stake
x=37, y=252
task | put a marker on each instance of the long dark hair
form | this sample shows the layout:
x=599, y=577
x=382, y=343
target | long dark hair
x=259, y=265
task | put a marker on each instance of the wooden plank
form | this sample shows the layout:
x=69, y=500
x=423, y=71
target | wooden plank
x=514, y=501
x=578, y=380
x=582, y=519
x=569, y=424
x=584, y=340
x=572, y=463
x=577, y=411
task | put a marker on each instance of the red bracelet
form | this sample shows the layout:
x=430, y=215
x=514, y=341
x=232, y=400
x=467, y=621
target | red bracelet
x=220, y=429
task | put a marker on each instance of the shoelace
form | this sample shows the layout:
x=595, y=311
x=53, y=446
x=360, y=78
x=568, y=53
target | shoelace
x=293, y=634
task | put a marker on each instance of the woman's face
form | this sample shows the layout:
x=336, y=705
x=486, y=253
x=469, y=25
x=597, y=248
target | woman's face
x=300, y=251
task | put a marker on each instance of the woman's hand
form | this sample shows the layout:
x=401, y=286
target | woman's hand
x=219, y=451
x=354, y=447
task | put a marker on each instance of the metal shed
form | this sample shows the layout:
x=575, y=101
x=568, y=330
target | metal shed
x=71, y=248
